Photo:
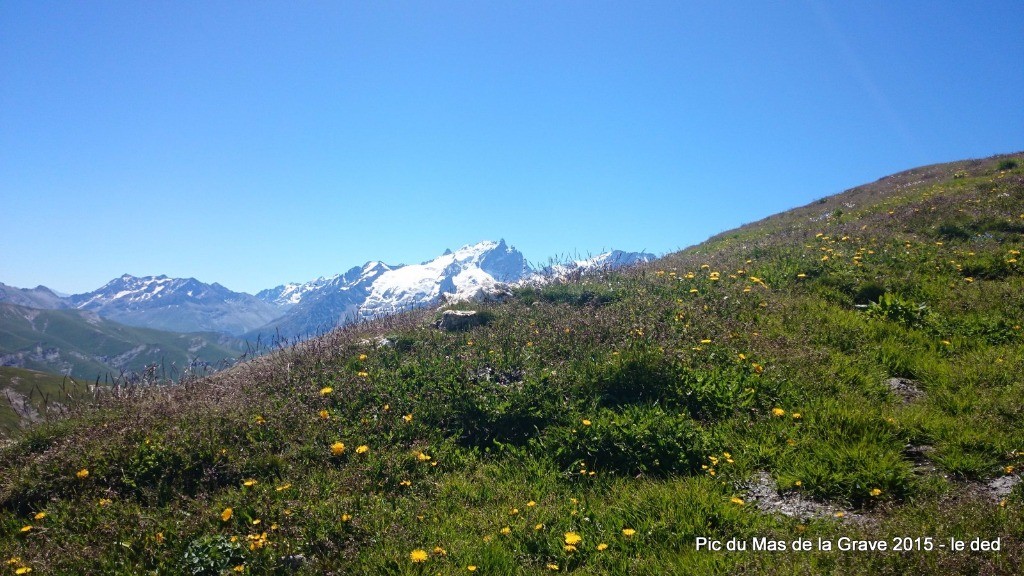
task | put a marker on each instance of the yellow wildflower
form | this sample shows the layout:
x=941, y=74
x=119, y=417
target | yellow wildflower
x=338, y=448
x=325, y=415
x=39, y=516
x=573, y=538
x=778, y=412
x=26, y=528
x=407, y=417
x=418, y=555
x=531, y=504
x=82, y=474
x=737, y=500
x=471, y=568
x=876, y=492
x=538, y=527
x=23, y=570
x=506, y=530
x=226, y=514
x=422, y=457
x=362, y=357
x=553, y=567
x=586, y=422
x=440, y=551
x=362, y=449
x=250, y=482
x=602, y=546
x=326, y=390
x=628, y=532
x=362, y=374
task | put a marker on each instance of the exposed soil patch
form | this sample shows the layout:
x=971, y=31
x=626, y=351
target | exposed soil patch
x=920, y=457
x=763, y=492
x=997, y=489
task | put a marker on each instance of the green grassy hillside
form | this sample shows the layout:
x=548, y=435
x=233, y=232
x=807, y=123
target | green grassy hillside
x=27, y=396
x=86, y=346
x=855, y=363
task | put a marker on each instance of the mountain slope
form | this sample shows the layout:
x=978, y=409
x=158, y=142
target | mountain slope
x=38, y=297
x=377, y=289
x=30, y=396
x=176, y=304
x=86, y=346
x=309, y=308
x=855, y=363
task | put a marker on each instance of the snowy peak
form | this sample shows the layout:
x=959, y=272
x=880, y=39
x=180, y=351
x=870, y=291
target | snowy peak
x=292, y=294
x=139, y=292
x=305, y=308
x=178, y=304
x=607, y=260
x=461, y=274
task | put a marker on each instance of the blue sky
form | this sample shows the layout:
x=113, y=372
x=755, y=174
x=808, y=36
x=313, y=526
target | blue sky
x=257, y=143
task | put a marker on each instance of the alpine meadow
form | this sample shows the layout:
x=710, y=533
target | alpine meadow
x=847, y=371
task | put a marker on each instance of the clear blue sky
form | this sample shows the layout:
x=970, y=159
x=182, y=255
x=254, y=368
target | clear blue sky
x=254, y=143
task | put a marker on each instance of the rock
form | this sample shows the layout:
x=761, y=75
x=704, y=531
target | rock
x=293, y=562
x=905, y=388
x=452, y=320
x=999, y=488
x=763, y=493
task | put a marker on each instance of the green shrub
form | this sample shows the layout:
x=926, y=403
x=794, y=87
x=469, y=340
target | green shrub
x=635, y=376
x=573, y=293
x=211, y=555
x=637, y=440
x=891, y=307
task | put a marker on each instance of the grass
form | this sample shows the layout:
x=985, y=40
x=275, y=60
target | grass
x=31, y=396
x=630, y=409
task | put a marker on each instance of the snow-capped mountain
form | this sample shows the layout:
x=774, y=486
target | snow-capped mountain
x=461, y=274
x=376, y=289
x=303, y=309
x=176, y=304
x=609, y=260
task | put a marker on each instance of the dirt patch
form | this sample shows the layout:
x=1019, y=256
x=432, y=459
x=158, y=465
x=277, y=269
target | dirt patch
x=920, y=456
x=763, y=492
x=997, y=489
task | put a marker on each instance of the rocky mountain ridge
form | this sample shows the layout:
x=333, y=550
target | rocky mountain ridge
x=300, y=309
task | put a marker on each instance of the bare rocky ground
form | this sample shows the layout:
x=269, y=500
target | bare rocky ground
x=762, y=492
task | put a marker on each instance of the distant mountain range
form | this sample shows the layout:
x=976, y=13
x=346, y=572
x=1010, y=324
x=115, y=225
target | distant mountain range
x=295, y=310
x=82, y=344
